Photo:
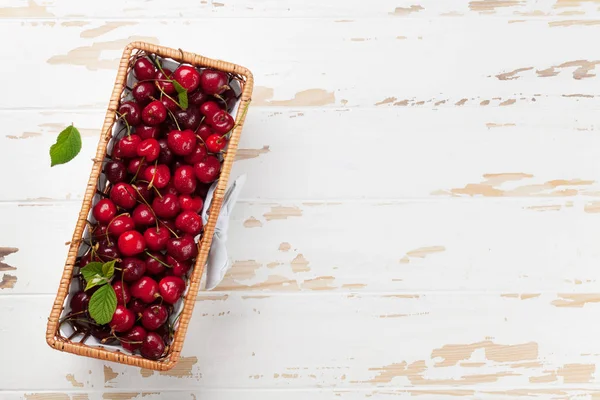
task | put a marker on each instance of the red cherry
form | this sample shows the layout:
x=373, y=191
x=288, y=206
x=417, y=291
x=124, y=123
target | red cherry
x=104, y=211
x=184, y=180
x=144, y=193
x=166, y=155
x=189, y=222
x=171, y=288
x=149, y=149
x=156, y=238
x=169, y=189
x=122, y=292
x=136, y=165
x=209, y=109
x=152, y=347
x=197, y=155
x=79, y=302
x=178, y=268
x=115, y=171
x=181, y=143
x=132, y=339
x=205, y=131
x=130, y=110
x=188, y=77
x=143, y=216
x=144, y=69
x=154, y=113
x=188, y=119
x=133, y=268
x=222, y=122
x=158, y=175
x=123, y=195
x=154, y=263
x=214, y=82
x=116, y=152
x=198, y=97
x=164, y=81
x=182, y=248
x=208, y=169
x=120, y=224
x=215, y=143
x=154, y=316
x=107, y=252
x=145, y=289
x=147, y=132
x=122, y=320
x=166, y=207
x=169, y=103
x=137, y=306
x=143, y=92
x=230, y=98
x=189, y=203
x=128, y=146
x=131, y=243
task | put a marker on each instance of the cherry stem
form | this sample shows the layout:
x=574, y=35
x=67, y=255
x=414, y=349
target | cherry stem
x=138, y=169
x=153, y=175
x=156, y=259
x=169, y=229
x=122, y=116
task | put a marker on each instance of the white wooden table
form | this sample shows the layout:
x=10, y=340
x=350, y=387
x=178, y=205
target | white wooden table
x=421, y=216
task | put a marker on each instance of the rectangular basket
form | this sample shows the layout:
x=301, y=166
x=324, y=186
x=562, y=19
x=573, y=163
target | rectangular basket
x=53, y=336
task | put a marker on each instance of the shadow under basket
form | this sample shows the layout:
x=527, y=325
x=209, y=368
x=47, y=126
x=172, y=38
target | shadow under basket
x=55, y=338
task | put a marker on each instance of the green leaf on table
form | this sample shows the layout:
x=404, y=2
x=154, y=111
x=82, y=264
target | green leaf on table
x=67, y=146
x=108, y=269
x=103, y=304
x=181, y=95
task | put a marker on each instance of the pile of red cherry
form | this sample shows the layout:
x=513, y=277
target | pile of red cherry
x=159, y=170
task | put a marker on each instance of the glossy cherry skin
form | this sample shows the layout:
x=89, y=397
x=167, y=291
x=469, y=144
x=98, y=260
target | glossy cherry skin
x=122, y=292
x=164, y=82
x=214, y=82
x=188, y=77
x=137, y=306
x=154, y=263
x=156, y=238
x=215, y=143
x=222, y=122
x=123, y=195
x=158, y=175
x=208, y=169
x=107, y=252
x=181, y=143
x=136, y=165
x=209, y=109
x=142, y=216
x=145, y=289
x=169, y=189
x=188, y=119
x=131, y=243
x=122, y=320
x=178, y=268
x=198, y=97
x=202, y=189
x=190, y=203
x=153, y=346
x=149, y=149
x=79, y=302
x=102, y=333
x=230, y=98
x=128, y=146
x=197, y=155
x=144, y=194
x=104, y=211
x=166, y=155
x=144, y=69
x=182, y=248
x=131, y=111
x=143, y=92
x=115, y=171
x=171, y=288
x=120, y=224
x=189, y=222
x=184, y=180
x=132, y=268
x=154, y=113
x=133, y=339
x=154, y=316
x=166, y=207
x=204, y=131
x=147, y=132
x=169, y=103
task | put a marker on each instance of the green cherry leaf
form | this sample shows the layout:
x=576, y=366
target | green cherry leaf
x=181, y=95
x=95, y=281
x=67, y=146
x=103, y=304
x=91, y=270
x=108, y=269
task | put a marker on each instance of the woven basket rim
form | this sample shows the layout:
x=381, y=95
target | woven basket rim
x=53, y=337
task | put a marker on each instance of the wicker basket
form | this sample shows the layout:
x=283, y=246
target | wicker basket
x=53, y=335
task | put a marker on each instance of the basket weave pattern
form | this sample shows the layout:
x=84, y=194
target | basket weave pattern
x=53, y=336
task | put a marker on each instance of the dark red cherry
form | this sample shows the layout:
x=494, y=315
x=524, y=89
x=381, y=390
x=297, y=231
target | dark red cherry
x=120, y=224
x=102, y=333
x=131, y=243
x=136, y=165
x=158, y=175
x=157, y=238
x=221, y=122
x=166, y=155
x=189, y=222
x=122, y=292
x=169, y=189
x=104, y=211
x=197, y=155
x=230, y=98
x=155, y=263
x=209, y=109
x=137, y=306
x=202, y=189
x=154, y=113
x=190, y=203
x=154, y=316
x=147, y=132
x=144, y=69
x=143, y=216
x=79, y=302
x=122, y=320
x=188, y=119
x=205, y=131
x=128, y=146
x=107, y=251
x=181, y=143
x=143, y=92
x=99, y=232
x=188, y=77
x=214, y=82
x=149, y=149
x=132, y=268
x=144, y=194
x=123, y=195
x=152, y=347
x=145, y=289
x=182, y=248
x=171, y=288
x=215, y=143
x=169, y=103
x=178, y=268
x=133, y=339
x=166, y=207
x=184, y=180
x=115, y=171
x=164, y=81
x=131, y=111
x=198, y=97
x=208, y=170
